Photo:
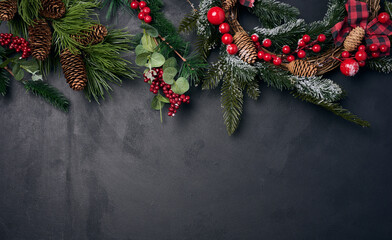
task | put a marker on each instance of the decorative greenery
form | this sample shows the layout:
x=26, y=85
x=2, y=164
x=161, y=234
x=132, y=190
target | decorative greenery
x=48, y=93
x=383, y=64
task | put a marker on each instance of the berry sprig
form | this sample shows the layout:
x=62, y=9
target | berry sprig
x=19, y=44
x=145, y=11
x=155, y=78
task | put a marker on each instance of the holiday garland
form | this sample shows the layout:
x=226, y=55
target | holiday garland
x=66, y=33
x=351, y=35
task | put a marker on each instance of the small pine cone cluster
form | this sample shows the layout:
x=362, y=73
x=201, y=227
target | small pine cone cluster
x=8, y=9
x=40, y=38
x=354, y=39
x=246, y=47
x=96, y=35
x=53, y=9
x=74, y=69
x=302, y=68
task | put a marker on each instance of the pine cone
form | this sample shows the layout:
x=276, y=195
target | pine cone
x=8, y=9
x=74, y=70
x=40, y=37
x=302, y=68
x=96, y=35
x=53, y=9
x=354, y=39
x=246, y=47
x=228, y=4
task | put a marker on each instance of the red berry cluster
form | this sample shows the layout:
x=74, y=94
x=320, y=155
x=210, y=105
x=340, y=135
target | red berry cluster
x=145, y=11
x=156, y=83
x=303, y=44
x=17, y=43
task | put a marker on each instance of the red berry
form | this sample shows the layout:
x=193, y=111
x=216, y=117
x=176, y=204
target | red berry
x=301, y=43
x=290, y=58
x=134, y=4
x=349, y=67
x=260, y=55
x=267, y=43
x=383, y=17
x=301, y=54
x=362, y=48
x=286, y=49
x=267, y=57
x=224, y=28
x=375, y=54
x=232, y=49
x=321, y=38
x=383, y=48
x=140, y=16
x=361, y=56
x=146, y=10
x=373, y=48
x=227, y=39
x=346, y=54
x=216, y=16
x=306, y=38
x=316, y=48
x=148, y=19
x=277, y=61
x=142, y=4
x=362, y=63
x=255, y=38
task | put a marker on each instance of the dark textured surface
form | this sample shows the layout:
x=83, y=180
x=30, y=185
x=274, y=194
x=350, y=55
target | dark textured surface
x=293, y=171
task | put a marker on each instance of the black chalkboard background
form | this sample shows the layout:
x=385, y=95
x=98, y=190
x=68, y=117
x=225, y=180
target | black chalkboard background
x=113, y=171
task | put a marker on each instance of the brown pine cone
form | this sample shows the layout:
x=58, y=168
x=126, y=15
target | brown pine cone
x=8, y=9
x=53, y=9
x=40, y=38
x=302, y=68
x=246, y=48
x=96, y=35
x=74, y=69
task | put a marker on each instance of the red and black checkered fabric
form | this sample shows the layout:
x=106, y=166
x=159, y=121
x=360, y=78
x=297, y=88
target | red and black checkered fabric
x=247, y=3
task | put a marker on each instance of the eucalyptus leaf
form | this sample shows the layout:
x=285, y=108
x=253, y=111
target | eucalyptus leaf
x=169, y=74
x=148, y=43
x=142, y=59
x=157, y=60
x=150, y=30
x=19, y=75
x=162, y=99
x=181, y=86
x=37, y=77
x=139, y=50
x=170, y=62
x=156, y=104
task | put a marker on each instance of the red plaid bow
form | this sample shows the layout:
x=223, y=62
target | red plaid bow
x=358, y=14
x=247, y=3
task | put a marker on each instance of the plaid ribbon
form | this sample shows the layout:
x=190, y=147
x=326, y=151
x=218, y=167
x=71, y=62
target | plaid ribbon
x=247, y=3
x=358, y=14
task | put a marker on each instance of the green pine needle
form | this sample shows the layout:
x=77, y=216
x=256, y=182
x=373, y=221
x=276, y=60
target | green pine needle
x=274, y=13
x=4, y=81
x=29, y=10
x=232, y=103
x=188, y=23
x=382, y=64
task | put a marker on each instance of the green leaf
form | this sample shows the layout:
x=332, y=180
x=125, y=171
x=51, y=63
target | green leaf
x=18, y=72
x=157, y=60
x=142, y=59
x=148, y=43
x=162, y=99
x=30, y=66
x=169, y=74
x=37, y=77
x=139, y=50
x=156, y=104
x=170, y=62
x=150, y=30
x=181, y=86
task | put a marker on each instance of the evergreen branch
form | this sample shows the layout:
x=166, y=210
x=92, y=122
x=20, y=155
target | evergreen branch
x=318, y=88
x=275, y=77
x=189, y=22
x=335, y=108
x=193, y=69
x=29, y=10
x=214, y=75
x=18, y=26
x=114, y=6
x=272, y=13
x=204, y=28
x=4, y=81
x=382, y=64
x=232, y=103
x=49, y=93
x=253, y=90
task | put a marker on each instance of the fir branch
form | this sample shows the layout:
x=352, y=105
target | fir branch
x=319, y=88
x=193, y=69
x=275, y=77
x=18, y=26
x=49, y=93
x=253, y=90
x=382, y=64
x=214, y=75
x=204, y=28
x=4, y=81
x=232, y=103
x=272, y=13
x=335, y=108
x=29, y=10
x=204, y=45
x=189, y=22
x=114, y=6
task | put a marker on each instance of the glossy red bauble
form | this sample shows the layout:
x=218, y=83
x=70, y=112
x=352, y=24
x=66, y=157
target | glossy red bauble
x=286, y=49
x=349, y=67
x=267, y=57
x=321, y=38
x=384, y=48
x=255, y=38
x=142, y=4
x=361, y=56
x=232, y=49
x=224, y=28
x=362, y=48
x=146, y=10
x=216, y=16
x=316, y=48
x=383, y=17
x=345, y=54
x=140, y=16
x=306, y=38
x=267, y=43
x=134, y=4
x=373, y=48
x=290, y=58
x=260, y=55
x=277, y=61
x=301, y=54
x=147, y=19
x=227, y=39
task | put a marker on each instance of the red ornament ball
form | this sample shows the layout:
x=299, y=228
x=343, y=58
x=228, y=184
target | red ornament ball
x=321, y=38
x=290, y=58
x=345, y=54
x=316, y=48
x=301, y=54
x=260, y=54
x=267, y=57
x=383, y=17
x=224, y=28
x=134, y=4
x=267, y=43
x=349, y=67
x=362, y=63
x=375, y=54
x=362, y=48
x=146, y=10
x=147, y=19
x=142, y=4
x=286, y=49
x=232, y=49
x=384, y=48
x=301, y=43
x=140, y=16
x=373, y=48
x=255, y=38
x=216, y=16
x=361, y=56
x=306, y=38
x=277, y=61
x=227, y=39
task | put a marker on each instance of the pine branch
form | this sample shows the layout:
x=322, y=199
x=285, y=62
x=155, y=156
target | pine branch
x=214, y=75
x=193, y=69
x=4, y=81
x=253, y=90
x=273, y=13
x=29, y=10
x=204, y=28
x=49, y=93
x=382, y=64
x=189, y=22
x=318, y=88
x=275, y=77
x=232, y=103
x=18, y=26
x=335, y=108
x=114, y=6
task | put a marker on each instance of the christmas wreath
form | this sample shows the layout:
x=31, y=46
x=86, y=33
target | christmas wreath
x=64, y=33
x=287, y=53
